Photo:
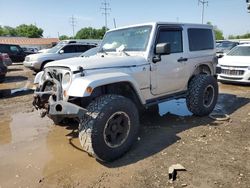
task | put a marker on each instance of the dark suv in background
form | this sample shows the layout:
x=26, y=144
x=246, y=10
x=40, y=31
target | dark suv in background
x=15, y=52
x=3, y=67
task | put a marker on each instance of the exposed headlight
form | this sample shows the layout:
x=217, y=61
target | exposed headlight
x=66, y=80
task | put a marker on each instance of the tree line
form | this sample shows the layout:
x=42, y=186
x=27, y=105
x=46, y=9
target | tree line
x=32, y=31
x=245, y=36
x=23, y=30
x=87, y=33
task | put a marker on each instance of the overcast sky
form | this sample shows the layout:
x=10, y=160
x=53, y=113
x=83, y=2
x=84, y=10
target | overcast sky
x=53, y=15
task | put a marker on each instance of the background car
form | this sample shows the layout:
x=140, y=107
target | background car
x=224, y=47
x=3, y=68
x=90, y=52
x=36, y=62
x=235, y=66
x=15, y=52
x=6, y=59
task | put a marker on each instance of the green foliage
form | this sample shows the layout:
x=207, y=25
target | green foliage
x=30, y=31
x=90, y=33
x=64, y=37
x=218, y=33
x=245, y=36
x=23, y=30
x=7, y=31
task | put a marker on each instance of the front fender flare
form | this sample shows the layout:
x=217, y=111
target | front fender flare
x=79, y=85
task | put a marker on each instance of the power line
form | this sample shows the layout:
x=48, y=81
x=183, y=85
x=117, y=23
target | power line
x=106, y=9
x=72, y=22
x=203, y=2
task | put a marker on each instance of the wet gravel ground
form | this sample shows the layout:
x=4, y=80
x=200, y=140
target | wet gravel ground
x=36, y=153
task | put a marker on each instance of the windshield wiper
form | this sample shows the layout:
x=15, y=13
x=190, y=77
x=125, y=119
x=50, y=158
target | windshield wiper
x=103, y=51
x=122, y=49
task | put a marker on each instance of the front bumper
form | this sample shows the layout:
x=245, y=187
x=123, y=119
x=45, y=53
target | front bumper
x=56, y=109
x=232, y=74
x=33, y=65
x=65, y=110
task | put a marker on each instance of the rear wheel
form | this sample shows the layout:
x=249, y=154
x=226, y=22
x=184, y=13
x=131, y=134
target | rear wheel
x=110, y=127
x=202, y=94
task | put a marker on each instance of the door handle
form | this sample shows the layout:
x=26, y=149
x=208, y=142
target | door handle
x=182, y=60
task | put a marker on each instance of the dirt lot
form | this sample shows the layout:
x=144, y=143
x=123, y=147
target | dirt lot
x=35, y=153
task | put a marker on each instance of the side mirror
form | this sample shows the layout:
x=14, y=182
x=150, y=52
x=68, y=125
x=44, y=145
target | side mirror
x=163, y=49
x=61, y=51
x=220, y=55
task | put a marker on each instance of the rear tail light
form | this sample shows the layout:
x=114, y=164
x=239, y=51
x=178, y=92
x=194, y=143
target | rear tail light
x=5, y=56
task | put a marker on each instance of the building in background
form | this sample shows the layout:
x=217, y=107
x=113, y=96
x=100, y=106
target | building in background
x=39, y=43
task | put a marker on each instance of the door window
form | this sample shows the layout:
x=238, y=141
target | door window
x=69, y=49
x=173, y=37
x=14, y=49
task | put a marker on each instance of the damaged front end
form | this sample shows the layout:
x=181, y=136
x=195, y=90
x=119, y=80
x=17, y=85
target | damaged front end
x=49, y=97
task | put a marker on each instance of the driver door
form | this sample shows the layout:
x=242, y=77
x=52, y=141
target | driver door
x=168, y=75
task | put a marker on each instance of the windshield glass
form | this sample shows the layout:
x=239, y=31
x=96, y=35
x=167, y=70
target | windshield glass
x=130, y=39
x=240, y=51
x=90, y=52
x=226, y=45
x=55, y=49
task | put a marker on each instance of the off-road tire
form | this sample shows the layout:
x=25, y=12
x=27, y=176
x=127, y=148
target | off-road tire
x=92, y=128
x=202, y=94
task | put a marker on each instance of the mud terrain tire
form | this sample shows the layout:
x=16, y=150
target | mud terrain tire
x=109, y=128
x=202, y=94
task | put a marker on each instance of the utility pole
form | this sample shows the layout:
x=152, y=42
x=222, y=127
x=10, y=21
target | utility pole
x=114, y=22
x=72, y=22
x=203, y=2
x=106, y=9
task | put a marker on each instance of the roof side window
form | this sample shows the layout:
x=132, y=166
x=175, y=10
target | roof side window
x=200, y=39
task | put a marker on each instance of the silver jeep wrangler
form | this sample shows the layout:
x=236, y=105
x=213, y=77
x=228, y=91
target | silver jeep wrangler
x=136, y=68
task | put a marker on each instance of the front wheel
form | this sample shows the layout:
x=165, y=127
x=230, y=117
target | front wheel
x=109, y=128
x=202, y=94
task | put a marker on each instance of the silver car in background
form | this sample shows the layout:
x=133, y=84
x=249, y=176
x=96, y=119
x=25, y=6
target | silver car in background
x=36, y=62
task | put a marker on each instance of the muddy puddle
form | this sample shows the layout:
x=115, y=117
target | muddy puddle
x=34, y=152
x=175, y=107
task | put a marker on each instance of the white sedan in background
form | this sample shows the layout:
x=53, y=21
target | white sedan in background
x=235, y=66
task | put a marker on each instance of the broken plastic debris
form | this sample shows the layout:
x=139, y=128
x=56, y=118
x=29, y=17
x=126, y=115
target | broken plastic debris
x=172, y=171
